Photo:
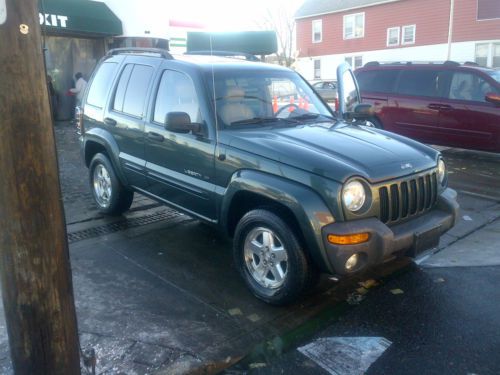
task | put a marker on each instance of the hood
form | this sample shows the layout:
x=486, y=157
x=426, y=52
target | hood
x=338, y=153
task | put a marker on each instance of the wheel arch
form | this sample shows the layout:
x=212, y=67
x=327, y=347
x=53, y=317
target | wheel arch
x=100, y=141
x=297, y=204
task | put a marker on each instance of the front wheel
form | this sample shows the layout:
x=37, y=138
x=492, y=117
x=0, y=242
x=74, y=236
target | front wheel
x=375, y=123
x=111, y=196
x=270, y=258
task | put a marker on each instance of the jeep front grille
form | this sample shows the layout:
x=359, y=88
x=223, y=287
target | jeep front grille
x=407, y=198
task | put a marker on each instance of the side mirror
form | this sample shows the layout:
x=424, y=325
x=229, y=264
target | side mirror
x=180, y=122
x=363, y=111
x=348, y=91
x=492, y=98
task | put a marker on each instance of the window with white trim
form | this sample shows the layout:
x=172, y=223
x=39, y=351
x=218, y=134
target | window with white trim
x=317, y=31
x=408, y=34
x=354, y=26
x=317, y=69
x=488, y=54
x=488, y=10
x=354, y=61
x=392, y=36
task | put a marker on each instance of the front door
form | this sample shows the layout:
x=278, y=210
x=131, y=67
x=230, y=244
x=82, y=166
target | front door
x=180, y=166
x=467, y=119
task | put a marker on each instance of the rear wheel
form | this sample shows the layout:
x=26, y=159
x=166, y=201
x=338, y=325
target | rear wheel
x=270, y=258
x=111, y=196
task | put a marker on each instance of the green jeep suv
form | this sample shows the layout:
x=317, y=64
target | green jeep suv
x=252, y=149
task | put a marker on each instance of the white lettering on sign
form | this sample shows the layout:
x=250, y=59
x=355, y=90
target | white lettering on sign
x=52, y=19
x=3, y=12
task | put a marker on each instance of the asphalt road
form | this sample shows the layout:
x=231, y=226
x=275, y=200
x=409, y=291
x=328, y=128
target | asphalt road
x=156, y=292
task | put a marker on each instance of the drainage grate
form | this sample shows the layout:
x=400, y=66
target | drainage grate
x=122, y=225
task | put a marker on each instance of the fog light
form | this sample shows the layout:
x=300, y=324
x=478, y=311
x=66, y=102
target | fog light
x=351, y=262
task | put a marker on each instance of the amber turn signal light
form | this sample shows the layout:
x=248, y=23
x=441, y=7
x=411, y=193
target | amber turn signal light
x=349, y=239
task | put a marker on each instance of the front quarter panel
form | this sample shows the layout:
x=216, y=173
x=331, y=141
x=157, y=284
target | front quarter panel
x=309, y=209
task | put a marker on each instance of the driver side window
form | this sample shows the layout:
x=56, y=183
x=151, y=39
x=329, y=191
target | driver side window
x=176, y=93
x=467, y=86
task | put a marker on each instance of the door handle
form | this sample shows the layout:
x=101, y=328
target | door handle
x=434, y=106
x=156, y=137
x=109, y=121
x=446, y=107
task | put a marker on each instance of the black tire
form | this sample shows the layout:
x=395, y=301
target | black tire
x=119, y=199
x=298, y=269
x=376, y=123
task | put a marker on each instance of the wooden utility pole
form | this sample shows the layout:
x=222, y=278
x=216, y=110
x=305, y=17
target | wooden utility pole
x=34, y=260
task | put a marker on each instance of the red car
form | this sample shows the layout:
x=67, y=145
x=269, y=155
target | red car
x=447, y=104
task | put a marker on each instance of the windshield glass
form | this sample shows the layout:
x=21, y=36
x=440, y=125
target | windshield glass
x=254, y=98
x=495, y=74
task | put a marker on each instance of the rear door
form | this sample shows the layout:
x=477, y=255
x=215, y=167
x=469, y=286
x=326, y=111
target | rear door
x=467, y=119
x=415, y=106
x=125, y=116
x=180, y=166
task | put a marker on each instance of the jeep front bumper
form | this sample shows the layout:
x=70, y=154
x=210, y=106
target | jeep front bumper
x=410, y=237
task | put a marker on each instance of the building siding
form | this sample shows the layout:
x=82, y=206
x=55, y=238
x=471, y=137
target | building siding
x=466, y=27
x=431, y=18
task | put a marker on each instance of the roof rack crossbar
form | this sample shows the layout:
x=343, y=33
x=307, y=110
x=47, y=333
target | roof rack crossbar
x=247, y=56
x=162, y=52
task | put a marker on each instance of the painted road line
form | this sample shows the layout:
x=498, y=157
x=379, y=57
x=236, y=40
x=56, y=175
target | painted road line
x=345, y=355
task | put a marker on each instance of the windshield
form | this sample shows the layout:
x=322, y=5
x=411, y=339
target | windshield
x=495, y=74
x=264, y=97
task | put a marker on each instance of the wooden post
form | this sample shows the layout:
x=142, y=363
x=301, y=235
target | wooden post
x=34, y=259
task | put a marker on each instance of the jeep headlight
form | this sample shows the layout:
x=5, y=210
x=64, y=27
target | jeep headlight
x=441, y=172
x=354, y=195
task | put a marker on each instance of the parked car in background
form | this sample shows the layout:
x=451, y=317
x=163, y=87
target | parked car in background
x=448, y=104
x=326, y=89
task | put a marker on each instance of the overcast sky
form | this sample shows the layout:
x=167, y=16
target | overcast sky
x=224, y=15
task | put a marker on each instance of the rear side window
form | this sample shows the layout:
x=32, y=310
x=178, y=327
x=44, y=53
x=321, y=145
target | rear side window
x=425, y=82
x=132, y=89
x=377, y=80
x=100, y=84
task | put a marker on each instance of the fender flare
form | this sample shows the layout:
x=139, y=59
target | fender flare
x=106, y=140
x=310, y=211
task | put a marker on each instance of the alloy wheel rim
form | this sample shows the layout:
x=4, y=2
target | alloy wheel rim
x=266, y=258
x=102, y=186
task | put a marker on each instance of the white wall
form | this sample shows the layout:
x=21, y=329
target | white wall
x=460, y=52
x=141, y=18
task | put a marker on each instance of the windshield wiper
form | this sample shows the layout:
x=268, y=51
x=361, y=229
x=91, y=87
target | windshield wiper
x=262, y=121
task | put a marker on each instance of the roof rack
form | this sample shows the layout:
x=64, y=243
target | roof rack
x=162, y=52
x=447, y=63
x=247, y=56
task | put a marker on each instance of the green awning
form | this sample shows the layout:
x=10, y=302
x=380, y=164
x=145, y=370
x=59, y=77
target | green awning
x=80, y=17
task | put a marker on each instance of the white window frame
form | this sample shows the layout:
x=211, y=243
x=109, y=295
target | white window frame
x=351, y=60
x=347, y=17
x=403, y=31
x=314, y=69
x=320, y=23
x=389, y=29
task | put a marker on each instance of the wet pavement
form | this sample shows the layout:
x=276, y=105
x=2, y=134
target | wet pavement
x=156, y=292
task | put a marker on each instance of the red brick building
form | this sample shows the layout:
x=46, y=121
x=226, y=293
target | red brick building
x=358, y=31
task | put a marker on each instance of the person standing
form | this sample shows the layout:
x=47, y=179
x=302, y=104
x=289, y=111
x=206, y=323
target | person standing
x=79, y=88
